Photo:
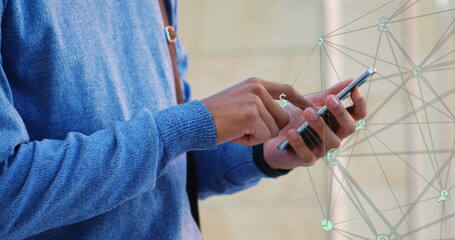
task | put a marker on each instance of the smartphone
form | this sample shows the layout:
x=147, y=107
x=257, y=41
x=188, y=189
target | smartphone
x=310, y=137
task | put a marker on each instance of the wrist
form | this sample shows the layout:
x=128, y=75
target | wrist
x=261, y=163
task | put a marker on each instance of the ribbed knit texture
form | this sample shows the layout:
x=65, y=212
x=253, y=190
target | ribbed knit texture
x=91, y=142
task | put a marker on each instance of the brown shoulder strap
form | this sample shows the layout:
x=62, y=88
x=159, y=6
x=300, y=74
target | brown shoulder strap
x=191, y=183
x=171, y=36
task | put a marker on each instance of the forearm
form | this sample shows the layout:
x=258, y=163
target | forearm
x=52, y=183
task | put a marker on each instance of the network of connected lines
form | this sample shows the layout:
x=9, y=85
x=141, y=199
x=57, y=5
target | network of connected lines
x=394, y=178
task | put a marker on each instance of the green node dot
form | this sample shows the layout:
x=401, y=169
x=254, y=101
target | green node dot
x=382, y=237
x=444, y=196
x=326, y=225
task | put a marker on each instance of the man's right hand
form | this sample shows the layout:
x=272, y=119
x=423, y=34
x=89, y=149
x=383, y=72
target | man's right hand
x=247, y=113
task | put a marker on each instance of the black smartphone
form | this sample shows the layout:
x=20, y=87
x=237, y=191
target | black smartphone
x=310, y=137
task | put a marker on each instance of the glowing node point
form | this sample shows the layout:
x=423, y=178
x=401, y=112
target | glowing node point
x=320, y=38
x=382, y=237
x=283, y=102
x=331, y=157
x=326, y=225
x=416, y=72
x=382, y=21
x=361, y=124
x=444, y=196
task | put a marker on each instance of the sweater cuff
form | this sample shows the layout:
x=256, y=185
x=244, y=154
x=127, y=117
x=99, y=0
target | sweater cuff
x=186, y=127
x=258, y=157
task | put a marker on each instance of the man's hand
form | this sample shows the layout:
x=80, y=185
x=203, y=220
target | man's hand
x=247, y=112
x=302, y=155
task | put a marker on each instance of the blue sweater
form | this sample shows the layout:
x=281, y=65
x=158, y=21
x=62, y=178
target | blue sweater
x=91, y=142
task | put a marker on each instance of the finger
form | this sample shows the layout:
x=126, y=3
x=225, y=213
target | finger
x=292, y=95
x=262, y=132
x=267, y=118
x=319, y=97
x=329, y=138
x=359, y=109
x=275, y=111
x=301, y=149
x=301, y=102
x=345, y=121
x=259, y=134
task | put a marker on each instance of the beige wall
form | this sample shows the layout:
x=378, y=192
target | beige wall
x=229, y=41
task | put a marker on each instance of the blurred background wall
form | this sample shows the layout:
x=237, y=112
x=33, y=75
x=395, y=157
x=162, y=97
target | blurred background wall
x=229, y=41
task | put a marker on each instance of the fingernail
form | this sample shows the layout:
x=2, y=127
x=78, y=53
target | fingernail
x=311, y=114
x=333, y=101
x=294, y=135
x=308, y=162
x=359, y=94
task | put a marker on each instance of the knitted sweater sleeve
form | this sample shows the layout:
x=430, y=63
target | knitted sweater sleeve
x=50, y=183
x=225, y=170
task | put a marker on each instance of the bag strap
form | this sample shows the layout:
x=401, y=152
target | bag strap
x=171, y=36
x=191, y=181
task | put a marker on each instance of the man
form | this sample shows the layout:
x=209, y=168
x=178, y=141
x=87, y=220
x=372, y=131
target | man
x=92, y=142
